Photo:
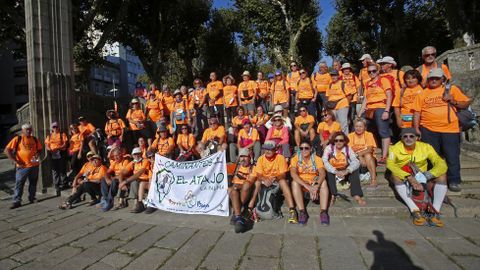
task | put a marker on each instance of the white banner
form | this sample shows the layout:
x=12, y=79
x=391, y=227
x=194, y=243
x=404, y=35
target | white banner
x=192, y=187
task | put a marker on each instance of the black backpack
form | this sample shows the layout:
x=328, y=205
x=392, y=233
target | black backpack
x=467, y=118
x=268, y=205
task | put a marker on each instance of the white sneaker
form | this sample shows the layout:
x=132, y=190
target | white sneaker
x=364, y=177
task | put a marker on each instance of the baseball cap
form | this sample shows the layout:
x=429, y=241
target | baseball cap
x=435, y=73
x=278, y=108
x=269, y=145
x=245, y=121
x=346, y=65
x=270, y=76
x=136, y=150
x=54, y=124
x=365, y=56
x=278, y=72
x=134, y=100
x=90, y=154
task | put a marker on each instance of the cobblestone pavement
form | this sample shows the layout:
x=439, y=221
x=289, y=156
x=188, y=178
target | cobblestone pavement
x=40, y=236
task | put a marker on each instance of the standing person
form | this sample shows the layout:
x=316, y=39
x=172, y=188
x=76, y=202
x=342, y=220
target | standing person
x=180, y=114
x=339, y=97
x=263, y=93
x=337, y=65
x=247, y=90
x=200, y=108
x=292, y=79
x=56, y=145
x=366, y=59
x=280, y=94
x=308, y=175
x=404, y=100
x=154, y=108
x=214, y=94
x=87, y=129
x=352, y=83
x=436, y=121
x=114, y=128
x=136, y=120
x=167, y=100
x=24, y=151
x=321, y=79
x=388, y=65
x=376, y=105
x=429, y=55
x=230, y=91
x=75, y=147
x=306, y=93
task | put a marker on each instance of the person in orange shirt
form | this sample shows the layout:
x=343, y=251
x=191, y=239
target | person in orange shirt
x=306, y=93
x=236, y=125
x=214, y=96
x=259, y=121
x=136, y=176
x=429, y=55
x=271, y=169
x=247, y=90
x=352, y=83
x=163, y=145
x=56, y=145
x=89, y=179
x=24, y=150
x=213, y=139
x=180, y=114
x=263, y=93
x=308, y=175
x=363, y=144
x=109, y=185
x=247, y=138
x=154, y=108
x=137, y=122
x=339, y=97
x=292, y=79
x=186, y=144
x=436, y=121
x=280, y=135
x=321, y=79
x=376, y=105
x=167, y=100
x=304, y=126
x=326, y=128
x=280, y=93
x=387, y=65
x=114, y=128
x=200, y=106
x=405, y=97
x=230, y=91
x=87, y=130
x=75, y=147
x=366, y=59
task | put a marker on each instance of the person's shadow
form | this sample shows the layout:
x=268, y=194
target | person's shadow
x=388, y=255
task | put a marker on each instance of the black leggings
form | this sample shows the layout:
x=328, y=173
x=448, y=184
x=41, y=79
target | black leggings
x=353, y=178
x=93, y=189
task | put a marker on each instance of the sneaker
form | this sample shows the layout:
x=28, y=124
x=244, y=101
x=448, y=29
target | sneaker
x=239, y=224
x=418, y=218
x=435, y=221
x=15, y=205
x=150, y=210
x=101, y=204
x=232, y=219
x=139, y=207
x=302, y=217
x=324, y=218
x=454, y=187
x=93, y=202
x=293, y=219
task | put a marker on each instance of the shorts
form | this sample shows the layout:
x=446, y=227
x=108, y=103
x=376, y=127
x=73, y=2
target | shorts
x=249, y=107
x=383, y=126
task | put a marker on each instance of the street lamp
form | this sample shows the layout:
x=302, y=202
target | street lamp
x=113, y=90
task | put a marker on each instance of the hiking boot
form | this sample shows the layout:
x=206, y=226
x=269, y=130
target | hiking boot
x=454, y=187
x=150, y=210
x=302, y=217
x=435, y=221
x=324, y=218
x=232, y=219
x=239, y=224
x=93, y=202
x=139, y=207
x=418, y=218
x=15, y=205
x=293, y=219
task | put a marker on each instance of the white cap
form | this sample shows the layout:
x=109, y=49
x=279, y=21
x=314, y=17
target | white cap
x=136, y=150
x=388, y=59
x=346, y=65
x=246, y=73
x=365, y=56
x=26, y=126
x=278, y=108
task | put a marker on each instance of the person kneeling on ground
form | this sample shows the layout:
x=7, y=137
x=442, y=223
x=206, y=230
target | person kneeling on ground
x=240, y=190
x=109, y=184
x=213, y=139
x=271, y=168
x=409, y=153
x=89, y=178
x=308, y=174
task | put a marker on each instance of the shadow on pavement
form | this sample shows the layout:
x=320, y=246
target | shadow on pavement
x=388, y=255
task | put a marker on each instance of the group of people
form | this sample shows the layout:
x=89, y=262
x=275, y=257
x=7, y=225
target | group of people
x=291, y=130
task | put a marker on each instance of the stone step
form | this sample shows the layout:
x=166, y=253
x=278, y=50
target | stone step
x=383, y=190
x=468, y=175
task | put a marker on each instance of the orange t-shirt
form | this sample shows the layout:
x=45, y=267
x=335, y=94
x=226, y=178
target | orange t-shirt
x=116, y=168
x=434, y=110
x=155, y=109
x=86, y=168
x=163, y=145
x=270, y=168
x=305, y=169
x=425, y=70
x=55, y=140
x=398, y=75
x=213, y=89
x=94, y=174
x=292, y=79
x=351, y=85
x=361, y=142
x=335, y=93
x=244, y=172
x=408, y=102
x=363, y=76
x=230, y=94
x=210, y=134
x=237, y=120
x=338, y=161
x=245, y=138
x=75, y=143
x=186, y=141
x=321, y=81
x=135, y=115
x=263, y=88
x=26, y=149
x=135, y=167
x=280, y=92
x=305, y=89
x=375, y=93
x=180, y=109
x=307, y=120
x=247, y=90
x=260, y=119
x=86, y=130
x=198, y=95
x=326, y=130
x=167, y=103
x=114, y=127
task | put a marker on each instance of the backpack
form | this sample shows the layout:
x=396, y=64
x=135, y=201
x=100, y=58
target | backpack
x=268, y=205
x=19, y=139
x=423, y=199
x=467, y=119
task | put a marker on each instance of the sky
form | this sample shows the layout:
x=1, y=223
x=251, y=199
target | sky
x=328, y=10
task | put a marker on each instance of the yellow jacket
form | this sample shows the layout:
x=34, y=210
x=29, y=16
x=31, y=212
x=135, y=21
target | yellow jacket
x=424, y=152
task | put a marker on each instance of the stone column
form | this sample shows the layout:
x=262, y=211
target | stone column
x=50, y=69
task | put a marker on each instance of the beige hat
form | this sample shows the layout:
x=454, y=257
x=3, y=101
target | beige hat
x=277, y=115
x=388, y=60
x=365, y=56
x=269, y=145
x=134, y=100
x=278, y=108
x=346, y=65
x=136, y=150
x=90, y=154
x=435, y=73
x=246, y=73
x=243, y=152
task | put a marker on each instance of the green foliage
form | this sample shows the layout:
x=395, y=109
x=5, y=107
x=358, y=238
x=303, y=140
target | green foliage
x=12, y=34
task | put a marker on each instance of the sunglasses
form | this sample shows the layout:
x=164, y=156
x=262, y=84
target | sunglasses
x=372, y=71
x=293, y=65
x=303, y=110
x=408, y=136
x=303, y=72
x=304, y=148
x=430, y=54
x=339, y=140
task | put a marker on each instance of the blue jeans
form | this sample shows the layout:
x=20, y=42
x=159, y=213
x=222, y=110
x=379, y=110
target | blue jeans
x=21, y=176
x=109, y=191
x=448, y=146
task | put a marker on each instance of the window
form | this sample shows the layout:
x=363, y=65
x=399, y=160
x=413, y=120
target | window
x=20, y=72
x=21, y=90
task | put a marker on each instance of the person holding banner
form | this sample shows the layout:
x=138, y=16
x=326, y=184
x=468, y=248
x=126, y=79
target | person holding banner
x=240, y=189
x=163, y=145
x=271, y=169
x=109, y=185
x=213, y=138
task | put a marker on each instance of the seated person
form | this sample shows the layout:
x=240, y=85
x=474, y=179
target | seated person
x=247, y=138
x=279, y=134
x=213, y=139
x=259, y=121
x=164, y=144
x=304, y=126
x=308, y=175
x=408, y=154
x=186, y=144
x=236, y=125
x=79, y=177
x=363, y=144
x=109, y=184
x=327, y=127
x=88, y=180
x=341, y=164
x=271, y=168
x=278, y=109
x=138, y=169
x=240, y=190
